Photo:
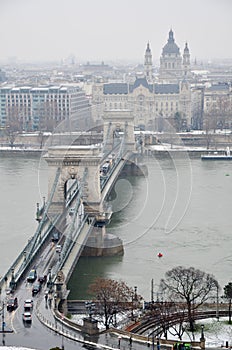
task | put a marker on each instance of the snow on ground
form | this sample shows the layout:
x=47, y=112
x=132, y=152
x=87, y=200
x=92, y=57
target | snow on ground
x=216, y=333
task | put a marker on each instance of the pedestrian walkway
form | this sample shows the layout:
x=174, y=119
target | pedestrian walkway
x=105, y=340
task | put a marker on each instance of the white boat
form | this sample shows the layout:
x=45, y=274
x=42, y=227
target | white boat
x=217, y=156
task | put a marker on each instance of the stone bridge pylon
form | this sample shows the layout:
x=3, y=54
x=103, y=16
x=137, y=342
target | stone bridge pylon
x=116, y=121
x=73, y=162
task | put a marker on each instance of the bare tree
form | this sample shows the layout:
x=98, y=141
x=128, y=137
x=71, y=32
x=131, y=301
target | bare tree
x=178, y=328
x=111, y=297
x=12, y=128
x=189, y=285
x=228, y=295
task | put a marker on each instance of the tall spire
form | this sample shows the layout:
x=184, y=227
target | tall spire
x=186, y=60
x=148, y=62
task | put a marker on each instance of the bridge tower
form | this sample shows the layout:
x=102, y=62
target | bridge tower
x=116, y=121
x=73, y=162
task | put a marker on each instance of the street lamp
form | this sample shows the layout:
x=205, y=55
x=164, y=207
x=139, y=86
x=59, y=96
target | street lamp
x=135, y=294
x=119, y=341
x=12, y=282
x=202, y=333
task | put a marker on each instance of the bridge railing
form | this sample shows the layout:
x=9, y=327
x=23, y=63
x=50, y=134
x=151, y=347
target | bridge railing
x=72, y=242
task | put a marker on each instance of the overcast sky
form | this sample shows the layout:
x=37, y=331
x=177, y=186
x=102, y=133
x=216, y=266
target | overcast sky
x=105, y=30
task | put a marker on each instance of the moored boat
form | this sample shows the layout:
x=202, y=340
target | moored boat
x=217, y=156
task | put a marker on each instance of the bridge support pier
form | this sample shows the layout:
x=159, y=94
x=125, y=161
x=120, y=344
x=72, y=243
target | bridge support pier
x=101, y=243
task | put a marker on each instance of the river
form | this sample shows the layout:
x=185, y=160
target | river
x=181, y=209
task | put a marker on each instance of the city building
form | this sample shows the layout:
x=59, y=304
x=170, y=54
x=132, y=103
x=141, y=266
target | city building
x=218, y=106
x=174, y=67
x=157, y=103
x=43, y=108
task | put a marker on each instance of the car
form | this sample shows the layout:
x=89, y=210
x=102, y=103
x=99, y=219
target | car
x=30, y=301
x=36, y=288
x=32, y=276
x=27, y=317
x=12, y=304
x=42, y=279
x=71, y=211
x=55, y=236
x=28, y=305
x=58, y=248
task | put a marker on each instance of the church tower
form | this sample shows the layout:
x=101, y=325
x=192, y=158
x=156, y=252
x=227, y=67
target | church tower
x=148, y=63
x=170, y=61
x=186, y=61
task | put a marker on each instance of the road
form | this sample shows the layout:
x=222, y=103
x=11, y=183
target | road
x=34, y=335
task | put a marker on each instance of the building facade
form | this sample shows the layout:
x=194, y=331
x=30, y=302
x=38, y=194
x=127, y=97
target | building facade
x=218, y=106
x=156, y=104
x=40, y=108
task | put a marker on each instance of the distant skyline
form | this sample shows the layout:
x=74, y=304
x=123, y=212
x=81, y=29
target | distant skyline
x=109, y=30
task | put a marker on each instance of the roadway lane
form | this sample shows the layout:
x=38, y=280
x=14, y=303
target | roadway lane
x=34, y=335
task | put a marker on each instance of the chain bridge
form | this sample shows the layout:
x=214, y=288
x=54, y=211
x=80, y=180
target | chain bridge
x=80, y=181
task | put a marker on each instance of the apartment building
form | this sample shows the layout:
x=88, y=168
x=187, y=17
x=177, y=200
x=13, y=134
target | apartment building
x=41, y=108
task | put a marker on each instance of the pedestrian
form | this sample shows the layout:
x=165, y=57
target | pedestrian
x=158, y=344
x=50, y=301
x=130, y=341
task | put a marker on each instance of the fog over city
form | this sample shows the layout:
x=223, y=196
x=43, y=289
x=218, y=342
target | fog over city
x=109, y=30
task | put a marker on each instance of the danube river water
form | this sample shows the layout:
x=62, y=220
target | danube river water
x=182, y=210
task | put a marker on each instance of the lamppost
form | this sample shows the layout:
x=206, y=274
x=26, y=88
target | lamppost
x=119, y=341
x=202, y=339
x=49, y=283
x=202, y=332
x=135, y=293
x=12, y=282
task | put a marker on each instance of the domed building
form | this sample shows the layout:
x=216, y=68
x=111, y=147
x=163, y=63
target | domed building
x=155, y=102
x=172, y=66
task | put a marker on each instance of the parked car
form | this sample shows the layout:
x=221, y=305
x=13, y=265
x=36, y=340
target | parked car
x=27, y=317
x=36, y=288
x=12, y=304
x=32, y=276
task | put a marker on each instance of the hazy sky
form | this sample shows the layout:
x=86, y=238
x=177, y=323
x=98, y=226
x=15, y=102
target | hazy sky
x=104, y=30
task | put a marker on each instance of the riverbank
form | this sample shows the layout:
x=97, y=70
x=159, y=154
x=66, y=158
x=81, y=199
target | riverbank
x=172, y=151
x=7, y=150
x=158, y=151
